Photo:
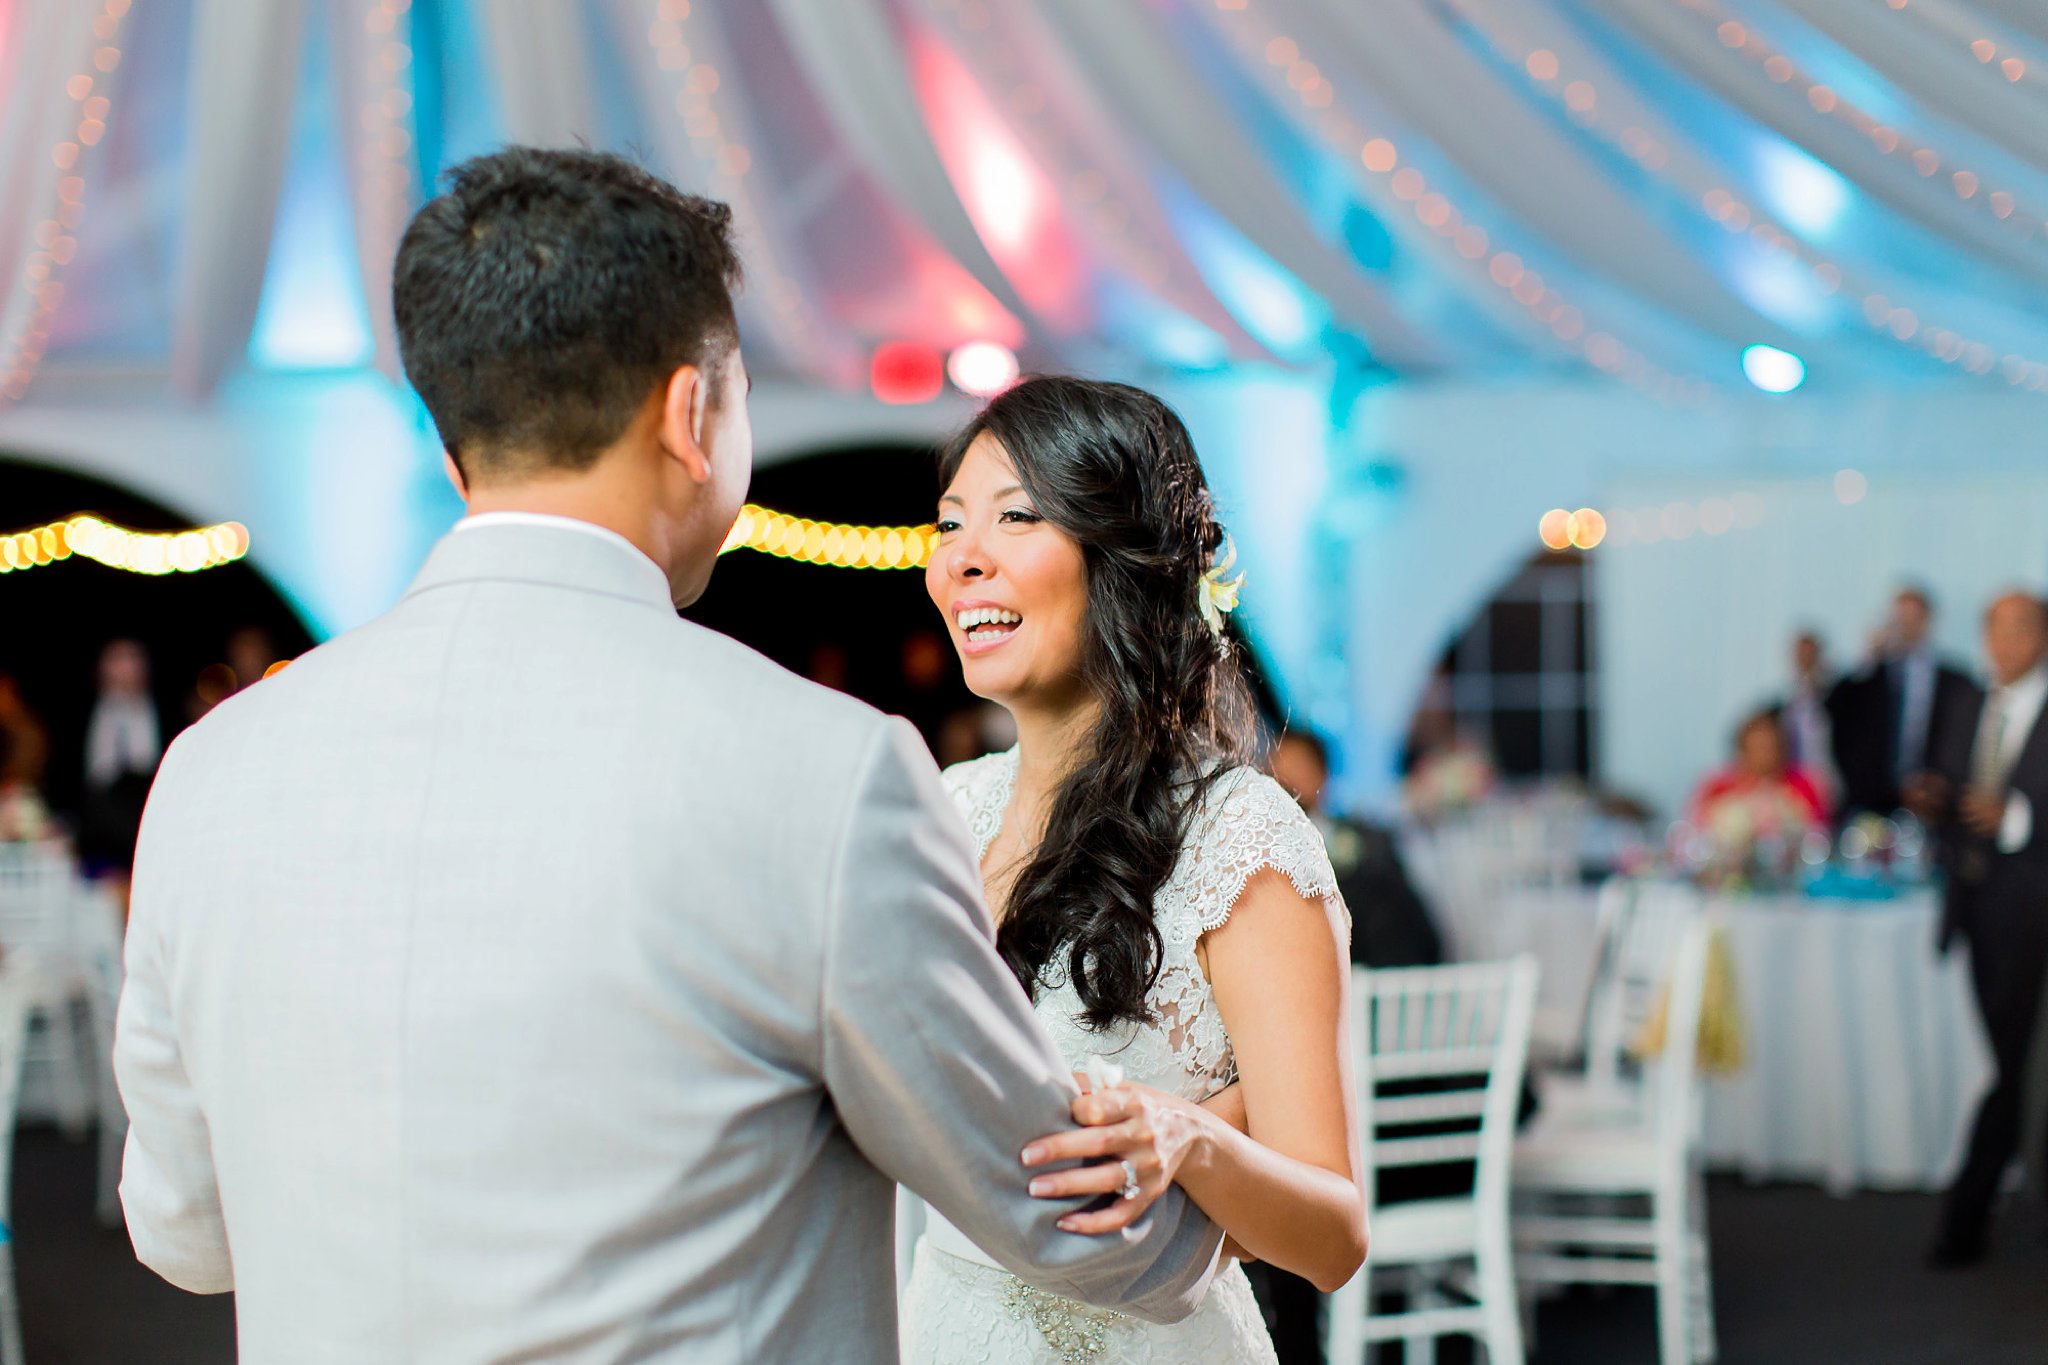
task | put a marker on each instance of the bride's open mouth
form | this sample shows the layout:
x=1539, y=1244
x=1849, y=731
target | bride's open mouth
x=986, y=628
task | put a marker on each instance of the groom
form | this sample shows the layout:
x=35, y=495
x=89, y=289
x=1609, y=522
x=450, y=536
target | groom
x=530, y=975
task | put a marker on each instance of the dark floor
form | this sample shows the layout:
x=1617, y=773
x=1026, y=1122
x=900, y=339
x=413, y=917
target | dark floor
x=84, y=1299
x=1799, y=1278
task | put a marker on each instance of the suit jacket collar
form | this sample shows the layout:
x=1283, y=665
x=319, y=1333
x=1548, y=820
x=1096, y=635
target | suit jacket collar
x=2027, y=767
x=560, y=557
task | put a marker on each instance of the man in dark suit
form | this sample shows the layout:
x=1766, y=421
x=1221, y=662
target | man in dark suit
x=1390, y=926
x=1994, y=764
x=1885, y=716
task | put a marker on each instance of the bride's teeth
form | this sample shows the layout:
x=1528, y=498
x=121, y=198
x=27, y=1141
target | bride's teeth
x=987, y=616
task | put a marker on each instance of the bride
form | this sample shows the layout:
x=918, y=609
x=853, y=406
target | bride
x=1169, y=909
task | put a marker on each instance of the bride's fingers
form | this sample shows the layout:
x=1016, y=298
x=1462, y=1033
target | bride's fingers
x=1120, y=1214
x=1106, y=1177
x=1084, y=1143
x=1100, y=1107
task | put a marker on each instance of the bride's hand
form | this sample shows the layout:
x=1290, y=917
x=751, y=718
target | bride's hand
x=1136, y=1138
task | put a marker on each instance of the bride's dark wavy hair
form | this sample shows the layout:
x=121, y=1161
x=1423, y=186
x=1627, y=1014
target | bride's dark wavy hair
x=1113, y=467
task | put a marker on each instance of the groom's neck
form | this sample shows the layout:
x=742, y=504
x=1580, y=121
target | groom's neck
x=591, y=497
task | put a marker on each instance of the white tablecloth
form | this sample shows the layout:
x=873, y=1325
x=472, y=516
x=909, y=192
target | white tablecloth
x=1866, y=1057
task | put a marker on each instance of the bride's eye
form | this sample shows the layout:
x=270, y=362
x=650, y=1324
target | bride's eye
x=945, y=524
x=1021, y=516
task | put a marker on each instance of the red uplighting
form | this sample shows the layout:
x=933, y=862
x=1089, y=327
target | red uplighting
x=904, y=372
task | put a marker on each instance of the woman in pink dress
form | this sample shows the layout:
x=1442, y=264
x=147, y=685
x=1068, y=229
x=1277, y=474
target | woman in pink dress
x=1759, y=794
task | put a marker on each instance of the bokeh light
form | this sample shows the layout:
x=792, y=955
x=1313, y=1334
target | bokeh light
x=905, y=372
x=1773, y=370
x=982, y=368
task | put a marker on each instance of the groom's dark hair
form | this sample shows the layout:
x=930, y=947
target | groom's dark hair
x=547, y=294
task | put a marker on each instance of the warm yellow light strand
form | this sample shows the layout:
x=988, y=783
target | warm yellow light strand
x=117, y=547
x=830, y=543
x=56, y=237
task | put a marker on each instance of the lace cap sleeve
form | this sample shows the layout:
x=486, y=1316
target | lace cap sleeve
x=1248, y=823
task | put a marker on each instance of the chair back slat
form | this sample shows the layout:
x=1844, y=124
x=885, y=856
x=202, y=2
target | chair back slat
x=36, y=886
x=1388, y=1153
x=1430, y=1108
x=1439, y=1054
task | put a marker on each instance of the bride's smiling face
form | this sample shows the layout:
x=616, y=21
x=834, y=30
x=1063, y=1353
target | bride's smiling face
x=1012, y=586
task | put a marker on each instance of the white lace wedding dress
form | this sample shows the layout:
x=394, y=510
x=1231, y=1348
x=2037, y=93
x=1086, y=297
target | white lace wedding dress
x=959, y=1308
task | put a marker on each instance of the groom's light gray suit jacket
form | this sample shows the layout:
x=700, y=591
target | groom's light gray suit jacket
x=532, y=976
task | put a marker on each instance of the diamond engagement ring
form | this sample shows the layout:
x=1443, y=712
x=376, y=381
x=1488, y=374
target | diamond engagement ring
x=1130, y=1189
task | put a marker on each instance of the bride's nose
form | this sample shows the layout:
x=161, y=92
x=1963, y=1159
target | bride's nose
x=966, y=560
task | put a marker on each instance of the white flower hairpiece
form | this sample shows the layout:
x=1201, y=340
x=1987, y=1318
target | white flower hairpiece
x=1216, y=595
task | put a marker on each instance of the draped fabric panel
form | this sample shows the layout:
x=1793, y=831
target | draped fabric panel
x=245, y=75
x=1402, y=52
x=854, y=62
x=1125, y=130
x=373, y=88
x=1938, y=69
x=48, y=46
x=1517, y=29
x=1135, y=69
x=778, y=308
x=540, y=56
x=2029, y=16
x=1466, y=275
x=1074, y=138
x=1690, y=41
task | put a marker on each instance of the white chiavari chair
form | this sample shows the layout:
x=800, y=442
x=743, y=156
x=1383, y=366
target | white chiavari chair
x=1609, y=1185
x=1439, y=1053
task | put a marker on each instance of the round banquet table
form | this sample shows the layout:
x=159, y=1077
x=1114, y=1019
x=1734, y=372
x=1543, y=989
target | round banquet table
x=1865, y=1054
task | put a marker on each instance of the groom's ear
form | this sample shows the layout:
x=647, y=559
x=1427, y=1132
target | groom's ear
x=685, y=415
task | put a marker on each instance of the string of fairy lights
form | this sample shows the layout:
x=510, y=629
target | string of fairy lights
x=1953, y=25
x=1924, y=158
x=682, y=48
x=153, y=553
x=56, y=239
x=1888, y=318
x=833, y=544
x=1295, y=73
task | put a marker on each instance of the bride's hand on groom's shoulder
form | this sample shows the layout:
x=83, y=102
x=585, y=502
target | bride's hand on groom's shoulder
x=1135, y=1139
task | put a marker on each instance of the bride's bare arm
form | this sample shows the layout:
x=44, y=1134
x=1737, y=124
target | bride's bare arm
x=1286, y=1189
x=1228, y=1104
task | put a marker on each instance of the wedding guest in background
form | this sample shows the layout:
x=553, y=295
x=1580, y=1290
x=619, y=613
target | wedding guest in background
x=1759, y=794
x=1995, y=763
x=124, y=734
x=1390, y=924
x=1447, y=770
x=123, y=745
x=1803, y=714
x=1882, y=716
